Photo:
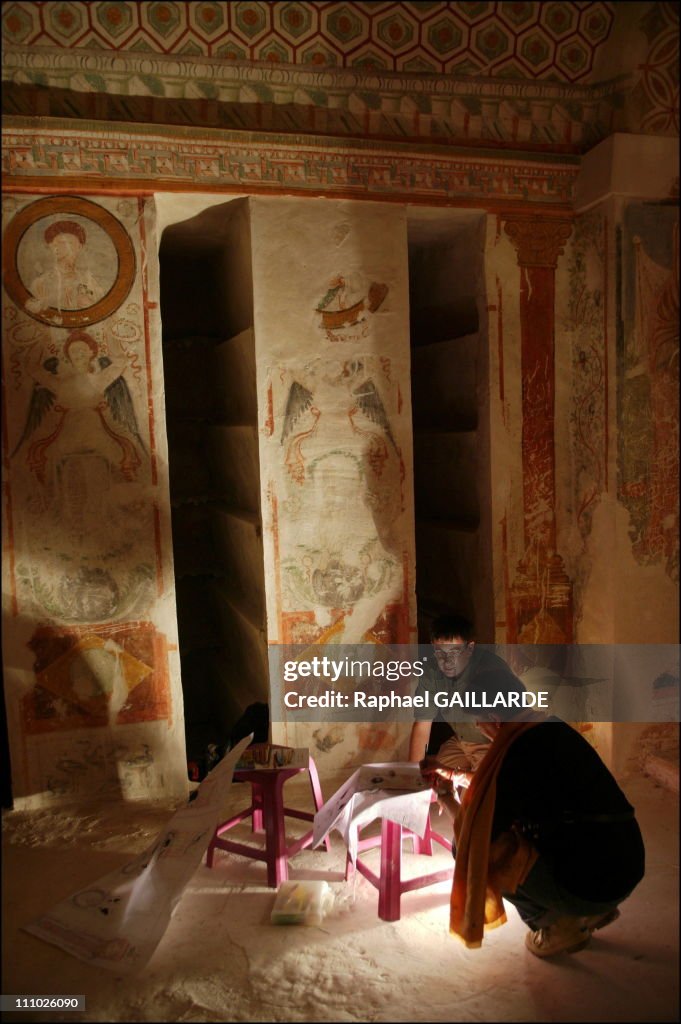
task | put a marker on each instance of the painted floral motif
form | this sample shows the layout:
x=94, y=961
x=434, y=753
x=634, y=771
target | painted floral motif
x=587, y=324
x=648, y=363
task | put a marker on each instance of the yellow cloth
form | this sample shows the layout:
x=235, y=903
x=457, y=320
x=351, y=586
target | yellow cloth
x=484, y=869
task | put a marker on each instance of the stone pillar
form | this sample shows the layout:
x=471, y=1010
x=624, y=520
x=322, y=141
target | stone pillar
x=331, y=324
x=541, y=594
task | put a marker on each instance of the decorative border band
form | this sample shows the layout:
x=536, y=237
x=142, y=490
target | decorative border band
x=390, y=104
x=172, y=158
x=53, y=66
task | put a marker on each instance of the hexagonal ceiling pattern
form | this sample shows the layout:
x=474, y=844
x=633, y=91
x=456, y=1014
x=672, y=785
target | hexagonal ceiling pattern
x=556, y=40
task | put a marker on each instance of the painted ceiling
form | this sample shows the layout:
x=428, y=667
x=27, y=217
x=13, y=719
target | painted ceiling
x=556, y=41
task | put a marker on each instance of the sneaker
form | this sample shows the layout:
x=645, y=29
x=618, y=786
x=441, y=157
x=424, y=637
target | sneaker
x=597, y=921
x=567, y=935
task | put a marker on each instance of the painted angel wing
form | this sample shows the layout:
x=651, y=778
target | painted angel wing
x=119, y=400
x=299, y=401
x=42, y=400
x=369, y=401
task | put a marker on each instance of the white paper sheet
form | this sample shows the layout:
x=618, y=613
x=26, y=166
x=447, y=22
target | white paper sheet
x=404, y=775
x=352, y=806
x=118, y=921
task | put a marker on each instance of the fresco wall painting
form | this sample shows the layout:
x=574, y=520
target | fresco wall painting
x=540, y=608
x=586, y=322
x=335, y=448
x=648, y=396
x=335, y=418
x=89, y=615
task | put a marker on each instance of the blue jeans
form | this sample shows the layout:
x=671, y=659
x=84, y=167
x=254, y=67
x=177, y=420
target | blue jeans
x=541, y=899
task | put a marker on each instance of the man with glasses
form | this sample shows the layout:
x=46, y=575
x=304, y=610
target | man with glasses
x=457, y=666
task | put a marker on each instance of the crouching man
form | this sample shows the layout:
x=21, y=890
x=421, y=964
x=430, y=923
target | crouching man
x=544, y=825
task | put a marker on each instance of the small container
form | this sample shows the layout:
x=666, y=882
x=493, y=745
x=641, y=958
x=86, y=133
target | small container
x=303, y=902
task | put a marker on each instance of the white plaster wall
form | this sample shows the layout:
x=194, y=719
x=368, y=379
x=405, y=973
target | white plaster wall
x=173, y=207
x=635, y=166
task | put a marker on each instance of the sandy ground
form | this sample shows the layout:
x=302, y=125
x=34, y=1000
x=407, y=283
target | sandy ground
x=221, y=959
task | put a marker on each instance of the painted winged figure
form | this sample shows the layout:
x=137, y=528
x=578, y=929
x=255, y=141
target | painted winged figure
x=90, y=410
x=299, y=402
x=345, y=399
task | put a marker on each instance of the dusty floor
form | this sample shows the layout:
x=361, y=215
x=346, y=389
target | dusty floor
x=221, y=960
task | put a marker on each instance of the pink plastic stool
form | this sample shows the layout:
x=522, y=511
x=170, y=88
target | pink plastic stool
x=389, y=883
x=267, y=809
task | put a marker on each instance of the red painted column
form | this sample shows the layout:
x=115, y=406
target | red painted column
x=541, y=593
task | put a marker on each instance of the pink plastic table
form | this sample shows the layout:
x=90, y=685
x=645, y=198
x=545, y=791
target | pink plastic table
x=389, y=882
x=267, y=811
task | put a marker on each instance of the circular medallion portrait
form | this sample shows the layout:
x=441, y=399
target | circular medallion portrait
x=68, y=262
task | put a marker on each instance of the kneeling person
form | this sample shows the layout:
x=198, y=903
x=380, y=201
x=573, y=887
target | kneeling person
x=544, y=825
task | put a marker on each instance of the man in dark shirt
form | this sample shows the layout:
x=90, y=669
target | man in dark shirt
x=456, y=665
x=553, y=789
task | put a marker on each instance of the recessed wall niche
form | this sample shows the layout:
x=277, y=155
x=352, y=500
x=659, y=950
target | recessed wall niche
x=211, y=414
x=450, y=404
